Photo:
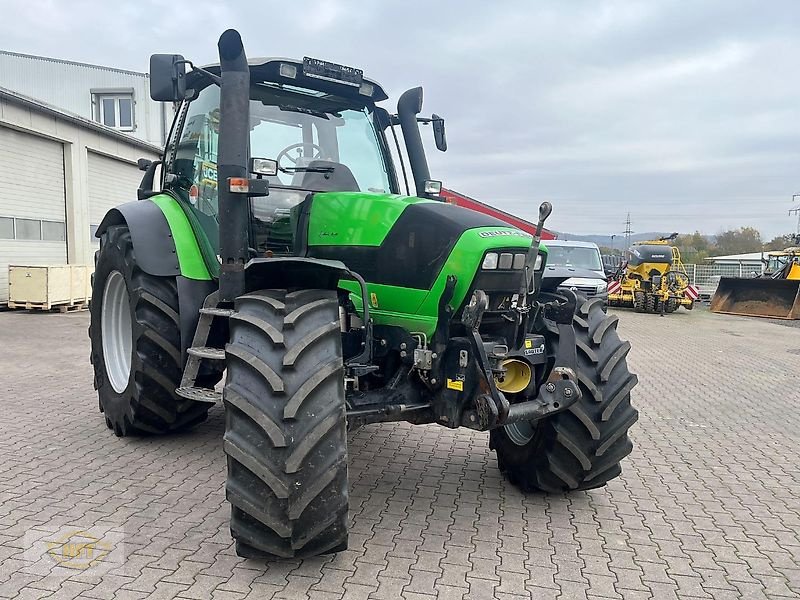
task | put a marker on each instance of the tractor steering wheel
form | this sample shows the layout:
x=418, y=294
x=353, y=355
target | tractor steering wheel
x=316, y=153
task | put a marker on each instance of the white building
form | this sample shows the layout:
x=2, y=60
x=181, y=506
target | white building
x=114, y=97
x=747, y=262
x=59, y=174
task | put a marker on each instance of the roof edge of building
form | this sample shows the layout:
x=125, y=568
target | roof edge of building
x=64, y=61
x=42, y=107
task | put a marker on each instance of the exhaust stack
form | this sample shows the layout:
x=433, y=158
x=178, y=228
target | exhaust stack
x=408, y=107
x=234, y=131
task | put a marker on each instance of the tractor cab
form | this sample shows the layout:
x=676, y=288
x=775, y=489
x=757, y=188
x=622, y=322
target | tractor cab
x=313, y=127
x=782, y=263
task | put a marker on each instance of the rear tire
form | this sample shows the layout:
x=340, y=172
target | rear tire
x=672, y=305
x=285, y=425
x=650, y=303
x=580, y=448
x=136, y=316
x=638, y=301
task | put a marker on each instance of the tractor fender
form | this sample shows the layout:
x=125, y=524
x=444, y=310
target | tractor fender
x=150, y=234
x=163, y=239
x=293, y=272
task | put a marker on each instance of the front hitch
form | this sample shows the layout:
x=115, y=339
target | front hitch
x=557, y=393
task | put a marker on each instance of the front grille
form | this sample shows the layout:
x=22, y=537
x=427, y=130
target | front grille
x=587, y=290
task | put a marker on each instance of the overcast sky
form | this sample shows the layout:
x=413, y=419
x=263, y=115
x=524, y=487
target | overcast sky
x=686, y=114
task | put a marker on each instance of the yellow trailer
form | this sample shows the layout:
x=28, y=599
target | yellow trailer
x=653, y=279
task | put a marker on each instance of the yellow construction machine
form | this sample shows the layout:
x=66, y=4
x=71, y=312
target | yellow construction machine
x=775, y=294
x=653, y=279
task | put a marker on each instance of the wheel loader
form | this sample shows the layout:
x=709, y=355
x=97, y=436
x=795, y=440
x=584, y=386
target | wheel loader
x=652, y=279
x=775, y=294
x=277, y=251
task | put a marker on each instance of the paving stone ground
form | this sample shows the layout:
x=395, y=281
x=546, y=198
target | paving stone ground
x=708, y=505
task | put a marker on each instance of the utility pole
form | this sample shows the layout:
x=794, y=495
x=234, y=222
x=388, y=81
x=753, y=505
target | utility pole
x=797, y=212
x=628, y=231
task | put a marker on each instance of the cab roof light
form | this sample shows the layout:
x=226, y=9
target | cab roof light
x=366, y=89
x=288, y=70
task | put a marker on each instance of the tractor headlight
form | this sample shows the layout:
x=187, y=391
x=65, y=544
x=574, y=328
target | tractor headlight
x=508, y=261
x=505, y=261
x=490, y=261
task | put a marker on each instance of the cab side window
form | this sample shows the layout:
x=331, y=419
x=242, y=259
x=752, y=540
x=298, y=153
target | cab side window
x=194, y=166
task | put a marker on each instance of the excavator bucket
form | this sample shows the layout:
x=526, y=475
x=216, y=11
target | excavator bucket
x=759, y=297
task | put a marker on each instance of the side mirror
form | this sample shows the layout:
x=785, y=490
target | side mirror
x=145, y=189
x=438, y=133
x=167, y=77
x=382, y=118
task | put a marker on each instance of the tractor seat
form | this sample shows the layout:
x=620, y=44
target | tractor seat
x=341, y=179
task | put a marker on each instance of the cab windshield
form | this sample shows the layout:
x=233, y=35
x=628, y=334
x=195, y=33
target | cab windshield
x=776, y=263
x=321, y=143
x=575, y=257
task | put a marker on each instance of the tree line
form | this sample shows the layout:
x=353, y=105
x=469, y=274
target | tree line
x=695, y=247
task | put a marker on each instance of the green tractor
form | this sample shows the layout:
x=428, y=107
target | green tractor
x=278, y=250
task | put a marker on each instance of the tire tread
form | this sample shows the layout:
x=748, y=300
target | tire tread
x=286, y=444
x=580, y=448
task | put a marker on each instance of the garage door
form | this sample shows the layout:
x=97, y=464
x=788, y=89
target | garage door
x=32, y=204
x=111, y=182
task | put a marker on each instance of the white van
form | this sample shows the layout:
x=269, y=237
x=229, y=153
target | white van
x=581, y=256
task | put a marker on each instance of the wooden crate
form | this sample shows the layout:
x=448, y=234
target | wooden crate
x=47, y=286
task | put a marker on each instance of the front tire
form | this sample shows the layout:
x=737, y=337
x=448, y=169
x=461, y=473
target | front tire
x=580, y=448
x=285, y=425
x=135, y=337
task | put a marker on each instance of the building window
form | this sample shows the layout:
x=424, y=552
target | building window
x=54, y=231
x=28, y=229
x=114, y=110
x=32, y=229
x=6, y=228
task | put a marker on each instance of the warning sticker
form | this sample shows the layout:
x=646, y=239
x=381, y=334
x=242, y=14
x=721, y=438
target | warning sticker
x=455, y=384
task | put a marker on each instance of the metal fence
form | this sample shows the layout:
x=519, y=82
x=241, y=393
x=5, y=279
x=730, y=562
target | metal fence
x=706, y=277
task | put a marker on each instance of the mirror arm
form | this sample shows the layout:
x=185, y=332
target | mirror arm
x=215, y=78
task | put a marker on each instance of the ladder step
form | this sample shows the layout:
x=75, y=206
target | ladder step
x=217, y=312
x=199, y=394
x=207, y=352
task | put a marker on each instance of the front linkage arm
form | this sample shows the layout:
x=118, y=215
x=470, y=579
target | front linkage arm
x=559, y=391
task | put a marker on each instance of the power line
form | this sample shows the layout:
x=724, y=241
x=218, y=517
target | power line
x=628, y=231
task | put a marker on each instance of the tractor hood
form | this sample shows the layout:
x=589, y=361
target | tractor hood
x=367, y=219
x=409, y=244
